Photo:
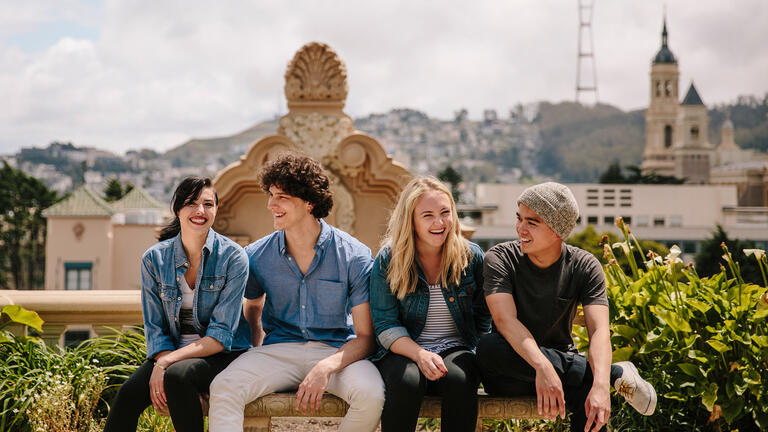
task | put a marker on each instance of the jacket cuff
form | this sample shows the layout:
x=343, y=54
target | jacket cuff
x=390, y=335
x=223, y=336
x=164, y=345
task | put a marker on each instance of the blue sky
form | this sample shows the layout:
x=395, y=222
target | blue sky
x=123, y=75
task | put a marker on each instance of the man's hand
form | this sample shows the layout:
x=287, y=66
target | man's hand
x=549, y=392
x=431, y=365
x=310, y=392
x=156, y=389
x=597, y=407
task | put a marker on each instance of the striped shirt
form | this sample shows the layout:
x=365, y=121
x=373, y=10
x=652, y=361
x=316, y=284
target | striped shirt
x=440, y=332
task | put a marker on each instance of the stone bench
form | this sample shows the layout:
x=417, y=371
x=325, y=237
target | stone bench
x=258, y=414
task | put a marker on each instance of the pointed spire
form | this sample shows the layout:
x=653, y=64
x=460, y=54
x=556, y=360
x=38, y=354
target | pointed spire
x=692, y=97
x=664, y=55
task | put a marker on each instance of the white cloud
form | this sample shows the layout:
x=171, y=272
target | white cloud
x=161, y=72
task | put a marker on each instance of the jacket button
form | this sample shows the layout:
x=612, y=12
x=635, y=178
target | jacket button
x=211, y=286
x=180, y=299
x=450, y=299
x=177, y=278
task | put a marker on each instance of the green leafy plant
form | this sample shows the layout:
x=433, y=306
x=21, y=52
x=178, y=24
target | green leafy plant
x=702, y=342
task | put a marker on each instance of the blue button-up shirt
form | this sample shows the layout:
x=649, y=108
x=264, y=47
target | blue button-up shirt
x=315, y=306
x=218, y=298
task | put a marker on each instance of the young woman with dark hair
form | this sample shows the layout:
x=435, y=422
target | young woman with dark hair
x=192, y=284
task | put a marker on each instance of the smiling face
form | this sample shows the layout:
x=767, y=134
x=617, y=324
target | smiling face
x=536, y=237
x=287, y=210
x=432, y=220
x=198, y=215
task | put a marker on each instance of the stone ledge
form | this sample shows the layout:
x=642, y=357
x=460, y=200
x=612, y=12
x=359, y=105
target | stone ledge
x=259, y=412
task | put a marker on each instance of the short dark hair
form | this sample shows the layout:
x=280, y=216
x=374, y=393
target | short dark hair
x=188, y=191
x=300, y=176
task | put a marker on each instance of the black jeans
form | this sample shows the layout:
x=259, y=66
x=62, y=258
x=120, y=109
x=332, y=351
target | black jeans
x=406, y=386
x=505, y=373
x=184, y=382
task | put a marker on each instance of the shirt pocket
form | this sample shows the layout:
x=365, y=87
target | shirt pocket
x=330, y=299
x=208, y=297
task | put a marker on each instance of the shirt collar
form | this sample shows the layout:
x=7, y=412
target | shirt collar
x=322, y=239
x=180, y=257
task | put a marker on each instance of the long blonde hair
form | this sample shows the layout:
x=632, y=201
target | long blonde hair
x=402, y=273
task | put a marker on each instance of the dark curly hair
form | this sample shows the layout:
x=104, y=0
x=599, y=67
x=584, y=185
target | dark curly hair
x=302, y=177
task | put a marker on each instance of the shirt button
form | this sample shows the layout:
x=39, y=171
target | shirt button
x=450, y=299
x=211, y=286
x=186, y=264
x=177, y=278
x=303, y=307
x=178, y=298
x=289, y=258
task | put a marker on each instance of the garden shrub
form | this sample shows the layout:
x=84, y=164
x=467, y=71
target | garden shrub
x=702, y=342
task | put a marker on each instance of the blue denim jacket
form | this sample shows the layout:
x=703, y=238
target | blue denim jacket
x=218, y=298
x=393, y=318
x=315, y=306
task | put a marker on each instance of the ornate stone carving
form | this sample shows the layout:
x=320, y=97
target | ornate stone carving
x=316, y=74
x=344, y=205
x=316, y=134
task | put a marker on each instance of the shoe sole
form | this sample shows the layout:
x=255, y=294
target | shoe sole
x=652, y=400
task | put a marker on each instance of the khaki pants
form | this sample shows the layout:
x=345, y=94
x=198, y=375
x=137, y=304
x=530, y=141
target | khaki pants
x=282, y=367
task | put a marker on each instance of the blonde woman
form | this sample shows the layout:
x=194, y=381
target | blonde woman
x=428, y=310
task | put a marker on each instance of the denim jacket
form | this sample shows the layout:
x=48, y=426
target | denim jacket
x=218, y=298
x=393, y=318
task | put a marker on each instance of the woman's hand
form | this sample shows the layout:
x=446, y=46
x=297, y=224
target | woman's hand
x=431, y=365
x=156, y=388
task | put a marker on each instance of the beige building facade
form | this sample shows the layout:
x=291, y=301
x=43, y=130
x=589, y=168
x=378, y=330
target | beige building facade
x=670, y=214
x=95, y=245
x=677, y=138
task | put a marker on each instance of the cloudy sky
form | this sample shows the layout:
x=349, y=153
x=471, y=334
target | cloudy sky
x=123, y=75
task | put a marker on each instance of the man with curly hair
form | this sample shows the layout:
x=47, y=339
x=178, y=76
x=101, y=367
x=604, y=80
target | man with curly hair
x=307, y=304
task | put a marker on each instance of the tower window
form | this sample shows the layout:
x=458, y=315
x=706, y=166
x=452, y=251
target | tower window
x=667, y=136
x=694, y=132
x=667, y=88
x=658, y=88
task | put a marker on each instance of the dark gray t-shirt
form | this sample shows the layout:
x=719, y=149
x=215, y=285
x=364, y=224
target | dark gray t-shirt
x=546, y=299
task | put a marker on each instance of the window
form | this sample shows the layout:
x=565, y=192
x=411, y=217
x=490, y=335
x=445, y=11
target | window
x=694, y=133
x=73, y=338
x=77, y=275
x=658, y=221
x=690, y=246
x=592, y=220
x=627, y=219
x=675, y=221
x=642, y=221
x=608, y=220
x=667, y=136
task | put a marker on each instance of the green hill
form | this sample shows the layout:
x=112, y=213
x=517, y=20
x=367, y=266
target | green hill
x=199, y=151
x=578, y=142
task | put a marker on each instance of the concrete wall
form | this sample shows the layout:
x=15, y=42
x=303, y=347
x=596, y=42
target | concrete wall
x=130, y=242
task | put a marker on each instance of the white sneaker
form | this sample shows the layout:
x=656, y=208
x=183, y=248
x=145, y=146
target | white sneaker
x=637, y=391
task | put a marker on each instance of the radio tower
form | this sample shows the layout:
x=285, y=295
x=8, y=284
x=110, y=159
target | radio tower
x=586, y=55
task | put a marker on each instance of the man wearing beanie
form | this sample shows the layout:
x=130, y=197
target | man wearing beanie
x=533, y=287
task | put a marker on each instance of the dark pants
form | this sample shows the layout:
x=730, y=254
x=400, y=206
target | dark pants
x=406, y=386
x=184, y=382
x=507, y=374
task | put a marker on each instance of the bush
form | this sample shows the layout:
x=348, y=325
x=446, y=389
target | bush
x=47, y=388
x=702, y=342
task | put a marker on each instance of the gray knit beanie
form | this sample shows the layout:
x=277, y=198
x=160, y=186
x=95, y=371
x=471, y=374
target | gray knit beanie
x=555, y=204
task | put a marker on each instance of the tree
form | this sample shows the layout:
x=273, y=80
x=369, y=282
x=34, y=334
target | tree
x=452, y=177
x=613, y=174
x=22, y=229
x=114, y=190
x=591, y=241
x=710, y=257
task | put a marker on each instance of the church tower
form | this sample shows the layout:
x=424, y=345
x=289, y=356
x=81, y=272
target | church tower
x=661, y=115
x=692, y=147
